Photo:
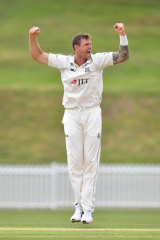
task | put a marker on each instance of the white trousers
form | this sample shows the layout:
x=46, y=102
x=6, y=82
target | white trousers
x=82, y=129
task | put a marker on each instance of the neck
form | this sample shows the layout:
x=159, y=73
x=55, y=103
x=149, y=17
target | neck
x=79, y=60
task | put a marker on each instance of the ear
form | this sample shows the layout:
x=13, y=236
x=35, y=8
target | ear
x=76, y=47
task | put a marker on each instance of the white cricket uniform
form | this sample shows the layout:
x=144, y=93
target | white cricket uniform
x=83, y=86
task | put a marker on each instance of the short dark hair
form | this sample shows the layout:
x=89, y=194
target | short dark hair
x=77, y=39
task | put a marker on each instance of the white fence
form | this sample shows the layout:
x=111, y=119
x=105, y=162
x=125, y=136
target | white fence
x=48, y=186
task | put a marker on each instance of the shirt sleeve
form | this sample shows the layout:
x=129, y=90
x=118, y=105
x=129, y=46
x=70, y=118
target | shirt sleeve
x=57, y=61
x=104, y=59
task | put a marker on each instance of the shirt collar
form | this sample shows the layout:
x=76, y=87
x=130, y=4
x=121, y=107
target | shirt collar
x=73, y=60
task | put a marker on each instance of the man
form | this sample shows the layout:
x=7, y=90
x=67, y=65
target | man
x=81, y=75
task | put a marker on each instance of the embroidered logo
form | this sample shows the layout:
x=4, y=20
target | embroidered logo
x=73, y=70
x=87, y=69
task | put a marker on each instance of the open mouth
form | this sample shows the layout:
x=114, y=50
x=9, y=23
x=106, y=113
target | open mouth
x=88, y=53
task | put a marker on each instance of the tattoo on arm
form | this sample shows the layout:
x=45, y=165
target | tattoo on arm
x=122, y=55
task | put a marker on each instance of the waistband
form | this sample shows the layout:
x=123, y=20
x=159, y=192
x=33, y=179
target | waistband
x=81, y=108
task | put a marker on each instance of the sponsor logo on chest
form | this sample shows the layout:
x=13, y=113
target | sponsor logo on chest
x=79, y=82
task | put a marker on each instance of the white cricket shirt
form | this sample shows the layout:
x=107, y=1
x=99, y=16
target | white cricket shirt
x=83, y=85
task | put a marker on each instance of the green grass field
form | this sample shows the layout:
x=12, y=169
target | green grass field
x=31, y=94
x=108, y=224
x=79, y=234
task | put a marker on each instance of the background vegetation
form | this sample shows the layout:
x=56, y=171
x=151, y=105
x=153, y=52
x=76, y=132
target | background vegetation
x=31, y=94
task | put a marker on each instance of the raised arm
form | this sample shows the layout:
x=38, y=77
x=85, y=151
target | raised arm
x=36, y=52
x=123, y=53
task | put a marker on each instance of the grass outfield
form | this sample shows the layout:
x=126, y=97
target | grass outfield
x=108, y=224
x=79, y=234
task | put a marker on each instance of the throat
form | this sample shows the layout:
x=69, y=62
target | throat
x=80, y=61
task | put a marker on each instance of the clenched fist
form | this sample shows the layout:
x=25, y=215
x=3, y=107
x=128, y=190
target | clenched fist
x=34, y=31
x=119, y=27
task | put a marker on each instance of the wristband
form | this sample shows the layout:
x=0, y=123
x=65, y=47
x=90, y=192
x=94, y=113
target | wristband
x=123, y=40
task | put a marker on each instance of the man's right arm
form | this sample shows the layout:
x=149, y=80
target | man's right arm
x=36, y=52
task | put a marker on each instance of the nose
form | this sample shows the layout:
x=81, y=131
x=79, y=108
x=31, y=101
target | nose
x=90, y=46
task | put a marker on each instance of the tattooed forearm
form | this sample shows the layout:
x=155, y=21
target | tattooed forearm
x=122, y=55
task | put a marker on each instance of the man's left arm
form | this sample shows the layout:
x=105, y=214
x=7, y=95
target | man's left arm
x=123, y=53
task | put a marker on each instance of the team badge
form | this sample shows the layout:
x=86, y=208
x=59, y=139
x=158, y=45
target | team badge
x=87, y=69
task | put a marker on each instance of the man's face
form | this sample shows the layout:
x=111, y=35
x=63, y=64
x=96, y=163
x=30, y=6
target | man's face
x=85, y=48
